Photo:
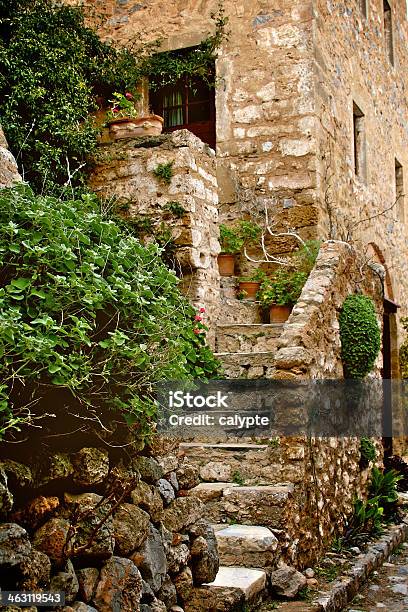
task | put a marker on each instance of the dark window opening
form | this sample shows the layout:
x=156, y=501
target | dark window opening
x=399, y=190
x=364, y=7
x=359, y=142
x=388, y=35
x=188, y=104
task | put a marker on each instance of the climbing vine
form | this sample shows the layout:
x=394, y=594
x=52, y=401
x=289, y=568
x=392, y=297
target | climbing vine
x=360, y=336
x=367, y=452
x=168, y=67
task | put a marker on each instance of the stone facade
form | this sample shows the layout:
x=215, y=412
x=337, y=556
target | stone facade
x=285, y=95
x=123, y=172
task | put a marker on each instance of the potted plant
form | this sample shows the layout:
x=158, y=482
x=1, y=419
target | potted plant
x=233, y=239
x=281, y=292
x=124, y=122
x=249, y=286
x=231, y=243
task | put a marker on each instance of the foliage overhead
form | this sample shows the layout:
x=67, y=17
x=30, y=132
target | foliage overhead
x=52, y=68
x=360, y=336
x=87, y=311
x=168, y=67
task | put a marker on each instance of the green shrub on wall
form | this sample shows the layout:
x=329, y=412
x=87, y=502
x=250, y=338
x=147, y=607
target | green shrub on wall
x=360, y=336
x=89, y=318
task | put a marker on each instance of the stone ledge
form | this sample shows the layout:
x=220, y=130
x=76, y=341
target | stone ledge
x=347, y=587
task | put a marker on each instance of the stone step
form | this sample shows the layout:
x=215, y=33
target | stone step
x=190, y=447
x=267, y=506
x=258, y=364
x=244, y=337
x=234, y=311
x=250, y=463
x=235, y=588
x=246, y=545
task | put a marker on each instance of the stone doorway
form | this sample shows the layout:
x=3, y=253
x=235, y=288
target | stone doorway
x=390, y=370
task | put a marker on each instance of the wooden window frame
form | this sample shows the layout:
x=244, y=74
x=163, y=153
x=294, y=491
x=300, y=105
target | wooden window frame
x=203, y=129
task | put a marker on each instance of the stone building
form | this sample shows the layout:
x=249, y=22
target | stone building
x=317, y=134
x=308, y=118
x=310, y=115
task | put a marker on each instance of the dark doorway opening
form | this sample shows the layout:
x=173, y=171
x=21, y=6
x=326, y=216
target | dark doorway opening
x=388, y=371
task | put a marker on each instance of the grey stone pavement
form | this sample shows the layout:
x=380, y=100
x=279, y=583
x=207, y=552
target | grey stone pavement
x=388, y=588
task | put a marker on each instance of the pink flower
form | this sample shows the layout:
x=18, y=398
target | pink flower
x=128, y=95
x=198, y=318
x=196, y=331
x=202, y=310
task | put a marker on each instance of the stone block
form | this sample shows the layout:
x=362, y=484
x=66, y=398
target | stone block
x=248, y=546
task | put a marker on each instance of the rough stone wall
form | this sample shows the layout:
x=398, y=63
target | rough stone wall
x=310, y=348
x=310, y=344
x=264, y=97
x=364, y=76
x=113, y=534
x=8, y=168
x=124, y=170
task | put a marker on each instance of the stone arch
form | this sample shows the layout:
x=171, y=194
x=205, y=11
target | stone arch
x=379, y=257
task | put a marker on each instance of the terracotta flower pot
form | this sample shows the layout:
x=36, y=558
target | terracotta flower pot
x=226, y=264
x=278, y=313
x=250, y=289
x=131, y=127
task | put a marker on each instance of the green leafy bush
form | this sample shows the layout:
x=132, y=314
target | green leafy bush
x=52, y=69
x=284, y=288
x=384, y=486
x=89, y=318
x=234, y=238
x=397, y=463
x=360, y=336
x=369, y=515
x=367, y=452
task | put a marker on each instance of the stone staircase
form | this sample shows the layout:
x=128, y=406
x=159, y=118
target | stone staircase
x=247, y=486
x=252, y=511
x=245, y=345
x=242, y=580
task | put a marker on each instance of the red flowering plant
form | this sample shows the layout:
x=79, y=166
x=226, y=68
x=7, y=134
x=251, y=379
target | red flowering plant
x=202, y=363
x=122, y=106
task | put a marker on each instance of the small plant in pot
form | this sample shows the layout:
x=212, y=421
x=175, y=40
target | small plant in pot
x=249, y=286
x=281, y=292
x=124, y=122
x=233, y=239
